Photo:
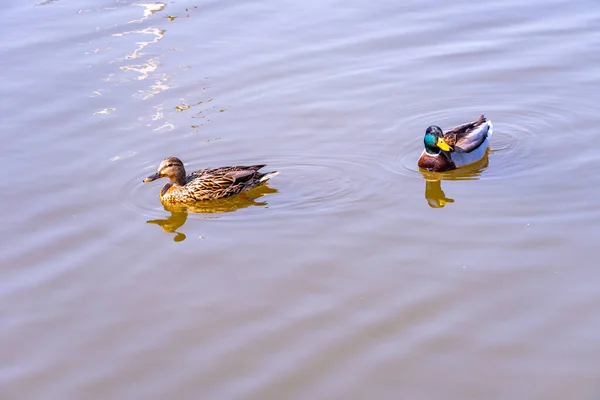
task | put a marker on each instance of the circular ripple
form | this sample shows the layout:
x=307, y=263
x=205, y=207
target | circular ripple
x=519, y=132
x=144, y=201
x=524, y=135
x=142, y=198
x=316, y=183
x=307, y=183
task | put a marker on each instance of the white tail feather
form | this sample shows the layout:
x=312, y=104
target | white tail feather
x=268, y=176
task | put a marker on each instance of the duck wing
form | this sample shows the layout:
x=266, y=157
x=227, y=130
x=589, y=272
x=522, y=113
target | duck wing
x=240, y=176
x=237, y=173
x=221, y=182
x=469, y=136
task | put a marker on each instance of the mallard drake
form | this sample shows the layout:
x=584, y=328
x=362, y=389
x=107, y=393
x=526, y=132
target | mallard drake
x=456, y=148
x=206, y=184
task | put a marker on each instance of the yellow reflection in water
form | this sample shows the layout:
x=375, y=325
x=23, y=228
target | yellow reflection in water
x=180, y=212
x=434, y=194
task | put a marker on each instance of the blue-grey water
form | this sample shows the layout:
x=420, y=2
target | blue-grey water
x=353, y=275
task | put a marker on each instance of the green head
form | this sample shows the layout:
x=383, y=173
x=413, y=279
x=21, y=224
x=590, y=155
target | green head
x=434, y=140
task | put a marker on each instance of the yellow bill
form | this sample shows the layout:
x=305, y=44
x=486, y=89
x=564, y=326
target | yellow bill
x=441, y=143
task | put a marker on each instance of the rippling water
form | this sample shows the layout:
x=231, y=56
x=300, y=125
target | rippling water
x=353, y=274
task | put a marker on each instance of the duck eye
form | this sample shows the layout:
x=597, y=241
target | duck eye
x=170, y=165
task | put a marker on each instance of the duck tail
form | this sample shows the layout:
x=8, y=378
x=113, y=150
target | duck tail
x=490, y=127
x=268, y=176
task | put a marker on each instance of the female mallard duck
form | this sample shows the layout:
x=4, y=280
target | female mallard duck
x=206, y=184
x=456, y=148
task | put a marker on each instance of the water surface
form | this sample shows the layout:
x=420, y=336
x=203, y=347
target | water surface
x=353, y=274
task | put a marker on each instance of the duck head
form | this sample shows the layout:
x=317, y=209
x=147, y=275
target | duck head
x=434, y=140
x=172, y=168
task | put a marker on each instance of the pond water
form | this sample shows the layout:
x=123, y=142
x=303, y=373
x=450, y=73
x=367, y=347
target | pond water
x=352, y=274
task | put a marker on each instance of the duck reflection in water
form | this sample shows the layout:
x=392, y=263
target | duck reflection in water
x=209, y=209
x=434, y=194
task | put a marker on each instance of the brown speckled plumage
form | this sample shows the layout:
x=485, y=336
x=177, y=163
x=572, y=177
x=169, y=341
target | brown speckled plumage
x=206, y=184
